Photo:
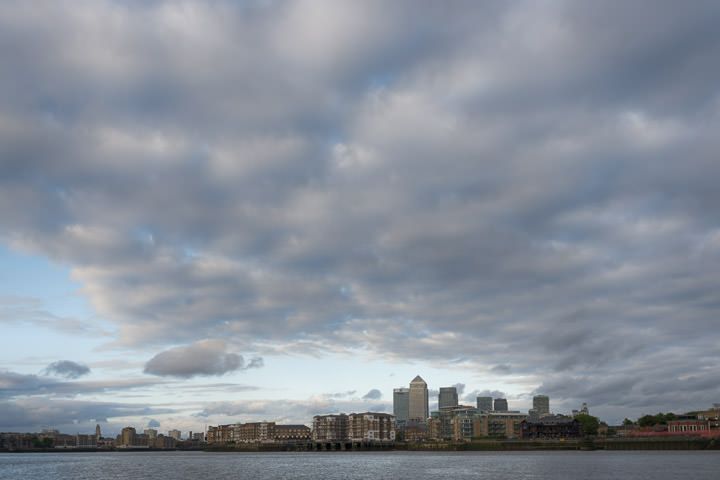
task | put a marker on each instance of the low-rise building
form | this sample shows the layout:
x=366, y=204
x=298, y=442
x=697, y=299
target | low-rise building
x=127, y=437
x=330, y=428
x=292, y=433
x=16, y=441
x=441, y=424
x=505, y=424
x=688, y=424
x=219, y=434
x=551, y=427
x=371, y=427
x=85, y=441
x=162, y=442
x=255, y=432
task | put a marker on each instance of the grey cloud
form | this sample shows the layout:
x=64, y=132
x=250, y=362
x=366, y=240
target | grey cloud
x=657, y=389
x=67, y=369
x=15, y=384
x=349, y=393
x=460, y=387
x=471, y=397
x=256, y=362
x=285, y=411
x=205, y=357
x=373, y=394
x=153, y=423
x=32, y=414
x=480, y=183
x=503, y=368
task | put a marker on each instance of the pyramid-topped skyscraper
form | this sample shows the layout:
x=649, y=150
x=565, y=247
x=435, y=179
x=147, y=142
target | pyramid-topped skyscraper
x=418, y=408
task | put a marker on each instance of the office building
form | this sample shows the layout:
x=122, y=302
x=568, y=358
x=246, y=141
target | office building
x=418, y=411
x=501, y=405
x=485, y=404
x=401, y=406
x=448, y=397
x=541, y=405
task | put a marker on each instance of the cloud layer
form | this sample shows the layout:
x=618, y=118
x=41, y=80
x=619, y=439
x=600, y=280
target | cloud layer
x=205, y=357
x=67, y=369
x=526, y=188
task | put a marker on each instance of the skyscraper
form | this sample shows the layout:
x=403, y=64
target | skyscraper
x=418, y=411
x=541, y=405
x=501, y=405
x=484, y=404
x=448, y=397
x=401, y=406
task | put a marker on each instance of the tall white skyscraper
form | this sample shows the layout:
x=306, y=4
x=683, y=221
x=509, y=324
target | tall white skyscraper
x=418, y=411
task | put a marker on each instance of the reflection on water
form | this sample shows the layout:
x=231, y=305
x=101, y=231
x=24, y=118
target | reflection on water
x=363, y=465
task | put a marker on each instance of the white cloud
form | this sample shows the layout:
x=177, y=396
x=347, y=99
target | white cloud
x=518, y=187
x=204, y=357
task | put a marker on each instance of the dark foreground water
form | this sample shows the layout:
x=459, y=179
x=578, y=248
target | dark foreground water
x=363, y=465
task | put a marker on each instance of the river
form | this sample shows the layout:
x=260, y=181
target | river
x=627, y=465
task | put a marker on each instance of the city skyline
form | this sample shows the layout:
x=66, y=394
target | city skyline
x=238, y=211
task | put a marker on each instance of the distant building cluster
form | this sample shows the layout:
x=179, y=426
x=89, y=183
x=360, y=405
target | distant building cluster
x=367, y=427
x=410, y=421
x=257, y=432
x=128, y=438
x=488, y=418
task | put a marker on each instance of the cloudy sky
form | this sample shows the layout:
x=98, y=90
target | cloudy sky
x=229, y=211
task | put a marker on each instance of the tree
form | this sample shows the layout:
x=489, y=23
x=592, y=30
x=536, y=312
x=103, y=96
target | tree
x=647, y=421
x=627, y=421
x=589, y=423
x=652, y=420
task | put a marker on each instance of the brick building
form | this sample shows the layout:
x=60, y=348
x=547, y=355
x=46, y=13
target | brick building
x=551, y=427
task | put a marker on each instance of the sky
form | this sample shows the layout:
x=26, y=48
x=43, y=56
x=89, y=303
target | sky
x=233, y=211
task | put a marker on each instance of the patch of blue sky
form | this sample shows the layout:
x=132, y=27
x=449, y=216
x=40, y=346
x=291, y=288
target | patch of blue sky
x=37, y=296
x=335, y=137
x=38, y=278
x=144, y=236
x=380, y=80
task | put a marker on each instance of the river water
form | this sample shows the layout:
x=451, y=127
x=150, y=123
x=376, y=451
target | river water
x=630, y=465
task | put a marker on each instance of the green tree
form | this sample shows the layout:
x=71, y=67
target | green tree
x=42, y=443
x=647, y=421
x=589, y=423
x=659, y=419
x=627, y=421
